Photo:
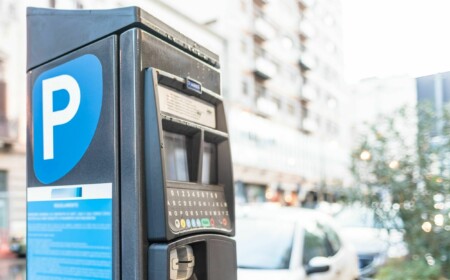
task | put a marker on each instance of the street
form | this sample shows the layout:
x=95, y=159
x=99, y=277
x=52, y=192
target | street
x=12, y=269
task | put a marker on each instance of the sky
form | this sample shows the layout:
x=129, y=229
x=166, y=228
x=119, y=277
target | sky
x=384, y=38
x=395, y=37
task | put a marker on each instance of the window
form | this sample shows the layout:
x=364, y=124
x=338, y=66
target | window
x=3, y=200
x=271, y=248
x=305, y=112
x=244, y=46
x=277, y=102
x=287, y=43
x=318, y=120
x=243, y=6
x=334, y=242
x=3, y=106
x=3, y=101
x=329, y=20
x=291, y=109
x=314, y=244
x=2, y=69
x=332, y=103
x=3, y=180
x=260, y=91
x=244, y=87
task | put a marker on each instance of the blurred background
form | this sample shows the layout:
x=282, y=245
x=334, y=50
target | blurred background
x=334, y=105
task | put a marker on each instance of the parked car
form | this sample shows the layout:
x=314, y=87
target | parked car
x=374, y=241
x=18, y=246
x=291, y=244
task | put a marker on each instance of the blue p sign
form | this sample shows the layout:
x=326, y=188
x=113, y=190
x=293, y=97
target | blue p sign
x=66, y=103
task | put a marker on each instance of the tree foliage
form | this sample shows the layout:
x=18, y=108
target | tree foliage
x=401, y=168
x=410, y=270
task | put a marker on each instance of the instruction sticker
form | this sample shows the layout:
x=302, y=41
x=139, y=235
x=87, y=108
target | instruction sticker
x=186, y=107
x=69, y=232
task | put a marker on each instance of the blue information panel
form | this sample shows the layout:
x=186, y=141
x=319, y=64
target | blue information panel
x=69, y=232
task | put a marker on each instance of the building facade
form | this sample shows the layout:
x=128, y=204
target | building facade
x=12, y=121
x=285, y=94
x=373, y=98
x=434, y=90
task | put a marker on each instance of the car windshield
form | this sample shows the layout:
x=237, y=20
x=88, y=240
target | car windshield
x=357, y=217
x=264, y=244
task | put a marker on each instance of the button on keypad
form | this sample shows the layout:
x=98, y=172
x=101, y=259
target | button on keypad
x=196, y=210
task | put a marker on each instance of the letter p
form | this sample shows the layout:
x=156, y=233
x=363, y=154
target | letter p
x=52, y=118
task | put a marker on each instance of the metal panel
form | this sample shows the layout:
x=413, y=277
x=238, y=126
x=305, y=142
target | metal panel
x=53, y=33
x=100, y=161
x=133, y=201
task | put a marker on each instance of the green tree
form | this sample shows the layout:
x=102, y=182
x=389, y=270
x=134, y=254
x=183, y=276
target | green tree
x=401, y=168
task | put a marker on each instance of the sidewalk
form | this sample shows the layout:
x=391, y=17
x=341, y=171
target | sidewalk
x=12, y=268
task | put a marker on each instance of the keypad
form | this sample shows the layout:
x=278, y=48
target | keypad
x=191, y=209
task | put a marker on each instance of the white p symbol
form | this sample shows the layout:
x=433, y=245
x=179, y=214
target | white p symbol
x=52, y=118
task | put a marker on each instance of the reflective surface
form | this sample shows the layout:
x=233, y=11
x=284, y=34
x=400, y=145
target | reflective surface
x=12, y=269
x=264, y=244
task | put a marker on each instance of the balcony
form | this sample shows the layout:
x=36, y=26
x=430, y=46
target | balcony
x=306, y=30
x=307, y=62
x=263, y=30
x=266, y=106
x=309, y=93
x=309, y=125
x=264, y=68
x=260, y=3
x=305, y=4
x=8, y=130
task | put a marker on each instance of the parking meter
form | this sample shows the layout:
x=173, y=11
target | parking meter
x=128, y=167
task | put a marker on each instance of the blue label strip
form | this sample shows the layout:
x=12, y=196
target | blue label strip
x=67, y=193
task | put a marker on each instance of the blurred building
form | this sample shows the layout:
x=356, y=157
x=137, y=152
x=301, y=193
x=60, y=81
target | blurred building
x=373, y=98
x=434, y=90
x=284, y=86
x=12, y=120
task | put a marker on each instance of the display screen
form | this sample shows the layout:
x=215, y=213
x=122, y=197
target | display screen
x=209, y=164
x=176, y=157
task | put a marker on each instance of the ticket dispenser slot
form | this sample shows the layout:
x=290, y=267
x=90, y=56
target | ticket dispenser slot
x=212, y=257
x=182, y=262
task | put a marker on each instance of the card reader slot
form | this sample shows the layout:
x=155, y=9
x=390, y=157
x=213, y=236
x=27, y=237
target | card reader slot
x=211, y=135
x=179, y=84
x=194, y=186
x=179, y=127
